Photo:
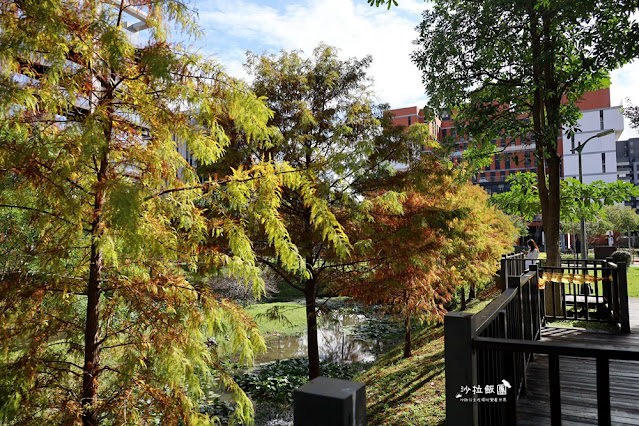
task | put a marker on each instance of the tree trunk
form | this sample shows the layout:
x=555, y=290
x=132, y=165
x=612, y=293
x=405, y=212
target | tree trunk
x=551, y=213
x=407, y=336
x=463, y=298
x=311, y=324
x=545, y=132
x=89, y=395
x=91, y=339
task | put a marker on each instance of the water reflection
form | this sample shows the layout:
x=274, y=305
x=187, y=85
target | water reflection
x=336, y=342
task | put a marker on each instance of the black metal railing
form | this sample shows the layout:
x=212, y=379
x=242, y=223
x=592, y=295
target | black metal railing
x=496, y=345
x=602, y=355
x=593, y=290
x=512, y=265
x=474, y=378
x=588, y=290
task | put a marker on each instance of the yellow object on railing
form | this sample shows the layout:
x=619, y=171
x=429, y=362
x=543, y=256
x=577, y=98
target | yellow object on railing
x=559, y=277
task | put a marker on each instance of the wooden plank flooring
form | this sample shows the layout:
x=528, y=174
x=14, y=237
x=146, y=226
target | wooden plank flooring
x=577, y=377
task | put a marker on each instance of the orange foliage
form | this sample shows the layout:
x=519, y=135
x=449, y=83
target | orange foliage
x=447, y=236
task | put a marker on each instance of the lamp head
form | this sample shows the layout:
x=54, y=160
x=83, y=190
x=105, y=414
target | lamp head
x=604, y=133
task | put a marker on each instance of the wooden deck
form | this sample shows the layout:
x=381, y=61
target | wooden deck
x=578, y=382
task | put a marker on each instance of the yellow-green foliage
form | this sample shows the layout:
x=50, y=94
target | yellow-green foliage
x=103, y=220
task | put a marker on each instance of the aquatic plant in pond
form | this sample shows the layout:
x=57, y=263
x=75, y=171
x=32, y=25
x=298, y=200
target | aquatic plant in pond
x=276, y=382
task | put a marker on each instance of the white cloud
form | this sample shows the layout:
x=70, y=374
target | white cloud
x=624, y=89
x=352, y=26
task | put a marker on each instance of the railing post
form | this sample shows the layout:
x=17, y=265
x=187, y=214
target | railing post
x=503, y=273
x=603, y=391
x=622, y=280
x=535, y=309
x=461, y=368
x=555, y=389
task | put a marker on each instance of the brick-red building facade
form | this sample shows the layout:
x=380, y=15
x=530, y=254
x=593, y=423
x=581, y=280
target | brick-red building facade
x=516, y=154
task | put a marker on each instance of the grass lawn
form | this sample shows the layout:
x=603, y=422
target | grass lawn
x=293, y=312
x=412, y=391
x=633, y=281
x=408, y=391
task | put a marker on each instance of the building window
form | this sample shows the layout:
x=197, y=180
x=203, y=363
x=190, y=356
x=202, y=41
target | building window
x=603, y=162
x=507, y=162
x=497, y=162
x=601, y=120
x=409, y=117
x=527, y=159
x=444, y=132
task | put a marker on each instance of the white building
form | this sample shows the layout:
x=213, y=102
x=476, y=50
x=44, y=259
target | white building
x=599, y=156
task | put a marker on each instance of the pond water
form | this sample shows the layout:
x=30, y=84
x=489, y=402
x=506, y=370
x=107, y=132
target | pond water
x=343, y=337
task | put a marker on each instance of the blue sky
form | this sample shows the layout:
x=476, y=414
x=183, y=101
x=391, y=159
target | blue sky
x=233, y=27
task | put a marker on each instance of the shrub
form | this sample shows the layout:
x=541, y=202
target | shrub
x=622, y=256
x=276, y=382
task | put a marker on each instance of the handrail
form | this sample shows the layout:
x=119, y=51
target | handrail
x=516, y=313
x=482, y=319
x=601, y=353
x=500, y=341
x=617, y=352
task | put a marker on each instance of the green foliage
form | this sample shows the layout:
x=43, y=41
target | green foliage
x=577, y=200
x=632, y=113
x=341, y=144
x=621, y=218
x=276, y=382
x=596, y=226
x=491, y=63
x=218, y=410
x=377, y=3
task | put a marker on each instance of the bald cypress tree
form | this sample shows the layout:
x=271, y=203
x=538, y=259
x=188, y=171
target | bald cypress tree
x=103, y=220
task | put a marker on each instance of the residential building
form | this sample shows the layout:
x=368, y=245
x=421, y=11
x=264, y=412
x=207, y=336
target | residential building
x=628, y=165
x=599, y=156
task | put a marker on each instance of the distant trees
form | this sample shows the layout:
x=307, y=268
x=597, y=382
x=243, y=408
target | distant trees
x=578, y=200
x=622, y=219
x=103, y=222
x=632, y=113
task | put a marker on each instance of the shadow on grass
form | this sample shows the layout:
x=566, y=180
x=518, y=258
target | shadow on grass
x=409, y=391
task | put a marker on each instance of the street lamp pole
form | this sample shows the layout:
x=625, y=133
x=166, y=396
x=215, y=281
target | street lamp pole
x=584, y=243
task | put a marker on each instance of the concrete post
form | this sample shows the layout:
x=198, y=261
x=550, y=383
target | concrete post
x=326, y=401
